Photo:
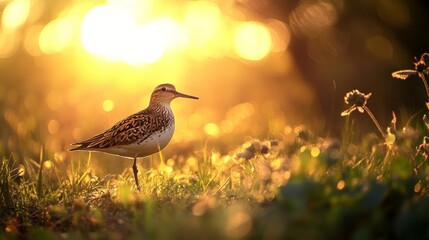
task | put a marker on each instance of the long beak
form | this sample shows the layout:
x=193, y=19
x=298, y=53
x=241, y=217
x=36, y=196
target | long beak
x=178, y=94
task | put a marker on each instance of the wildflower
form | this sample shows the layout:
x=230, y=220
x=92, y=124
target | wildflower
x=302, y=133
x=251, y=149
x=247, y=153
x=421, y=68
x=422, y=64
x=358, y=101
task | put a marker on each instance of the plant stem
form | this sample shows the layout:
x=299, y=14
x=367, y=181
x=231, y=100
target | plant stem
x=40, y=175
x=422, y=76
x=375, y=121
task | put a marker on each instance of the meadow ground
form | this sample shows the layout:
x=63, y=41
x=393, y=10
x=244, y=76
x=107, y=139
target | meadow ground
x=301, y=186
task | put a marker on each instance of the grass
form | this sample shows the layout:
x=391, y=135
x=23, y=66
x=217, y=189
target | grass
x=299, y=186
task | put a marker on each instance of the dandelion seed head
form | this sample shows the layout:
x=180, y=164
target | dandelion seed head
x=358, y=101
x=356, y=98
x=422, y=64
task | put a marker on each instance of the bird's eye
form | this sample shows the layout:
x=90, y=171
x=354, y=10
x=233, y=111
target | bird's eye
x=163, y=89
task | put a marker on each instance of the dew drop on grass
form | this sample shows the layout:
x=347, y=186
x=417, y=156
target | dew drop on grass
x=390, y=138
x=47, y=165
x=341, y=184
x=21, y=170
x=211, y=129
x=315, y=151
x=417, y=187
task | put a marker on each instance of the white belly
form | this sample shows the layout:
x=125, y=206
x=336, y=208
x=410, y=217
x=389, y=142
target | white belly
x=155, y=143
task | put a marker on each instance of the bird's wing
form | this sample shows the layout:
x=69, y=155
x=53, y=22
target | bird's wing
x=133, y=129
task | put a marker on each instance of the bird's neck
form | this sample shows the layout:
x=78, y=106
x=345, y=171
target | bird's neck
x=159, y=104
x=161, y=107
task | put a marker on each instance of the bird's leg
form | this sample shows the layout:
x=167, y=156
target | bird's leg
x=135, y=171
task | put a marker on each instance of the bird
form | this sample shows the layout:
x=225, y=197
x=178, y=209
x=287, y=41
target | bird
x=141, y=134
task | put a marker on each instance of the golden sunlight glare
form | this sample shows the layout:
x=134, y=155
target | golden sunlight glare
x=108, y=105
x=203, y=19
x=252, y=41
x=139, y=9
x=211, y=129
x=8, y=43
x=280, y=35
x=115, y=31
x=107, y=30
x=15, y=14
x=56, y=36
x=150, y=41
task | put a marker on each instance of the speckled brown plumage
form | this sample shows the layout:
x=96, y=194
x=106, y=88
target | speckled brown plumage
x=133, y=129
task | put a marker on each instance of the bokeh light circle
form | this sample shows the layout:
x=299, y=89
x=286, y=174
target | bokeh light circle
x=252, y=41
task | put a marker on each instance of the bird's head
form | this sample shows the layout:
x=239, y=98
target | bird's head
x=165, y=93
